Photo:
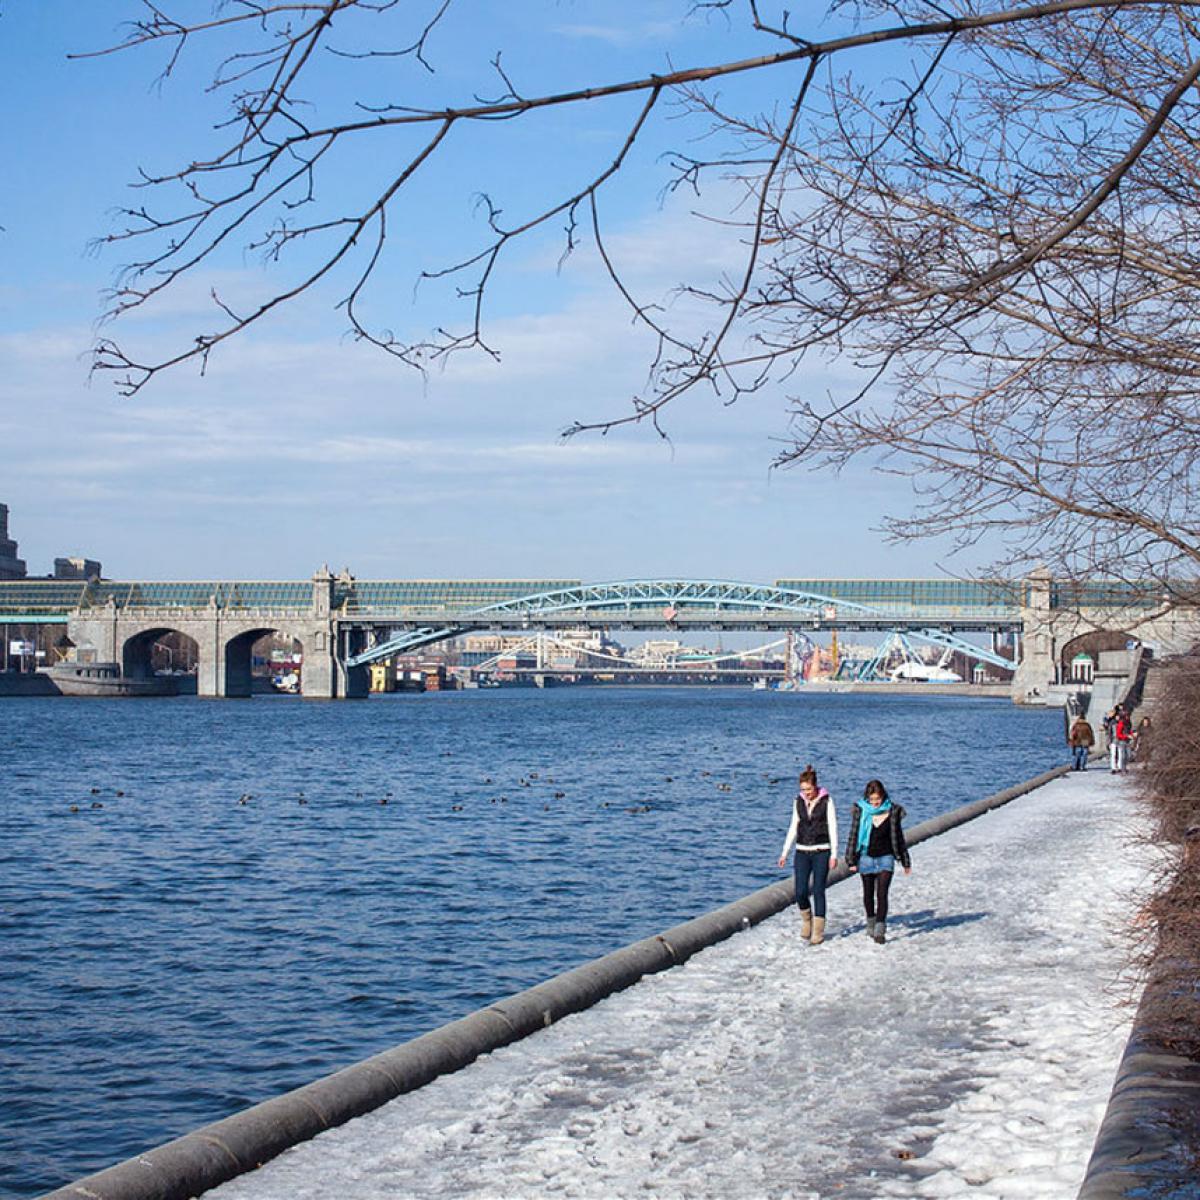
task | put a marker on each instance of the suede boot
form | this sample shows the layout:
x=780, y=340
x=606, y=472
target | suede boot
x=818, y=930
x=806, y=923
x=880, y=934
x=870, y=927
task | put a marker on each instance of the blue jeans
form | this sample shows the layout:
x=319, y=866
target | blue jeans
x=814, y=863
x=1081, y=757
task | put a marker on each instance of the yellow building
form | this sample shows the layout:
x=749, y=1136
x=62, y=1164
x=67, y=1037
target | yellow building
x=383, y=677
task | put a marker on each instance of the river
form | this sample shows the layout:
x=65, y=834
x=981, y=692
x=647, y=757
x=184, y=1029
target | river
x=205, y=903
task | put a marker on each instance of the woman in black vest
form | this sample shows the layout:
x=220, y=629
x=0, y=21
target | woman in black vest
x=813, y=832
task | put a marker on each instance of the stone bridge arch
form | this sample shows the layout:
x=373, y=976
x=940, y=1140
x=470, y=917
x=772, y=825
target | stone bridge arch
x=237, y=657
x=137, y=657
x=1092, y=643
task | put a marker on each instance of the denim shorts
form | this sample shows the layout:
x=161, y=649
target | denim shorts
x=872, y=864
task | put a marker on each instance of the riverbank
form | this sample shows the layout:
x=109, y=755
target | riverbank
x=975, y=1052
x=997, y=691
x=38, y=683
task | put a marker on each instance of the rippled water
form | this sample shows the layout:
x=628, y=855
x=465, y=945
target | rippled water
x=171, y=954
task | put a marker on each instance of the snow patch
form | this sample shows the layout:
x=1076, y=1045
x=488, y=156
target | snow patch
x=972, y=1054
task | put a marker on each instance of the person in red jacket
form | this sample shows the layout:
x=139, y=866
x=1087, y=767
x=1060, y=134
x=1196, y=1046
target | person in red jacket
x=1122, y=736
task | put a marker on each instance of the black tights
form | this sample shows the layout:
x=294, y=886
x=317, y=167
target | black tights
x=875, y=894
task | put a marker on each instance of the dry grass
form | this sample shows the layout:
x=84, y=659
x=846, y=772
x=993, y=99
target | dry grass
x=1171, y=794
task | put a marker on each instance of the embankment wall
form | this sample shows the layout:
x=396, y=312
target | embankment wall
x=1149, y=1130
x=33, y=683
x=995, y=691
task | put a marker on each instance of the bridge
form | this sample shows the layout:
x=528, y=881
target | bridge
x=343, y=624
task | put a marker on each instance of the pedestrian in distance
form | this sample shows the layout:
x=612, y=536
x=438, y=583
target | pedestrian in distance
x=1081, y=739
x=813, y=832
x=1143, y=741
x=1108, y=725
x=1122, y=736
x=875, y=843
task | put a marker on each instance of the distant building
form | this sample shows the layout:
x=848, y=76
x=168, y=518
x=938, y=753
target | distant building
x=11, y=567
x=77, y=568
x=657, y=652
x=383, y=677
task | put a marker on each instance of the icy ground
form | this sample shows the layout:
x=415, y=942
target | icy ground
x=971, y=1056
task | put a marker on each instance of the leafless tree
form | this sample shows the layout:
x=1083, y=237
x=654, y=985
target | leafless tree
x=1008, y=252
x=1002, y=240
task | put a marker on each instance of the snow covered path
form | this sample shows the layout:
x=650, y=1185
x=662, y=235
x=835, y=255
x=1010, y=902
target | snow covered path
x=971, y=1055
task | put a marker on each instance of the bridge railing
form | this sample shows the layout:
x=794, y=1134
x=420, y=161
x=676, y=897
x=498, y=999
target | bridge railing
x=420, y=601
x=41, y=597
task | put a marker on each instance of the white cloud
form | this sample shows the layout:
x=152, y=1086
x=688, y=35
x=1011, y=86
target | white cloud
x=629, y=34
x=296, y=448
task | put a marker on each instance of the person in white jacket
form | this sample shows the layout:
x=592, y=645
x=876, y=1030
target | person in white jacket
x=813, y=834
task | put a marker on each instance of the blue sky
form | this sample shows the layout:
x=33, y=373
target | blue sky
x=299, y=447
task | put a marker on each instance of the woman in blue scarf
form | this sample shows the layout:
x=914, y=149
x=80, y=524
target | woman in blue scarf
x=876, y=840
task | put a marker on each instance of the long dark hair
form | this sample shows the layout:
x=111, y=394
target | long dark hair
x=874, y=785
x=809, y=775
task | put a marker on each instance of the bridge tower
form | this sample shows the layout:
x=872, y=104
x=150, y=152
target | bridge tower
x=1035, y=670
x=318, y=671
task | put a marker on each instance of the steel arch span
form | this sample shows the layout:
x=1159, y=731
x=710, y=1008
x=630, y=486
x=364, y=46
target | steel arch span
x=657, y=601
x=679, y=594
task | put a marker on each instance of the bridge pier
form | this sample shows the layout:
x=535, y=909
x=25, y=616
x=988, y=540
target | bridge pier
x=98, y=633
x=354, y=683
x=210, y=662
x=210, y=674
x=320, y=672
x=325, y=675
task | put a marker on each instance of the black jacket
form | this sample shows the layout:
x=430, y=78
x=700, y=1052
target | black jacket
x=895, y=829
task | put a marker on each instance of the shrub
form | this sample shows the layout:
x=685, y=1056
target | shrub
x=1170, y=784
